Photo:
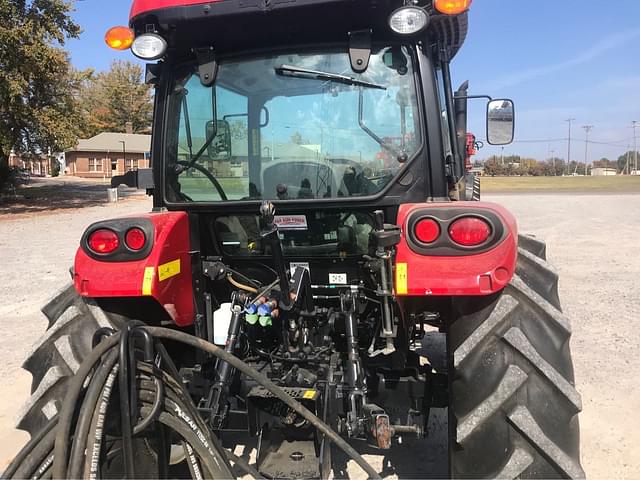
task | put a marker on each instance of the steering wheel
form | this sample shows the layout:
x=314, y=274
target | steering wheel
x=209, y=176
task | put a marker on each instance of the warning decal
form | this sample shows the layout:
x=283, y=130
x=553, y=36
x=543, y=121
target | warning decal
x=401, y=279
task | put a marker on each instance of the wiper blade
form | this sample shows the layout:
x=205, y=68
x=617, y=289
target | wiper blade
x=292, y=71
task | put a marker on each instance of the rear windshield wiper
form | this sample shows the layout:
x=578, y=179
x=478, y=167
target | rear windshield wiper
x=299, y=72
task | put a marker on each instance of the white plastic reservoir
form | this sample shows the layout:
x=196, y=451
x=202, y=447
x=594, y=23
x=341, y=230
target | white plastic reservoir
x=221, y=322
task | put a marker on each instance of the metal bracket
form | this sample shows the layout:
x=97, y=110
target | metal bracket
x=141, y=179
x=360, y=50
x=152, y=73
x=207, y=65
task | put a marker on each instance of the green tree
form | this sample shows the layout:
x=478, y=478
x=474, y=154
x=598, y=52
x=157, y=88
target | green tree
x=493, y=167
x=625, y=162
x=37, y=83
x=108, y=100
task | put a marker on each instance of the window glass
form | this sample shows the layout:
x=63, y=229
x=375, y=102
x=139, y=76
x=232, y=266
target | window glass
x=293, y=126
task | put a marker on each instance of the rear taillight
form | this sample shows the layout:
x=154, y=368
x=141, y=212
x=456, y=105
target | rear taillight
x=103, y=241
x=427, y=230
x=135, y=239
x=469, y=231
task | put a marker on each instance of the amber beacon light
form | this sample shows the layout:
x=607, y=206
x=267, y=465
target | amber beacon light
x=119, y=38
x=452, y=7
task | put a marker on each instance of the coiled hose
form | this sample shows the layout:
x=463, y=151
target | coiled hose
x=77, y=442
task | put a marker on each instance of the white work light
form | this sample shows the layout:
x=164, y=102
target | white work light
x=408, y=20
x=149, y=46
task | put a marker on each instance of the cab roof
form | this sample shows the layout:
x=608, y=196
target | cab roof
x=237, y=25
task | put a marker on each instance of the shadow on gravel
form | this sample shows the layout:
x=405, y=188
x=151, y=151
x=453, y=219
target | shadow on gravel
x=51, y=194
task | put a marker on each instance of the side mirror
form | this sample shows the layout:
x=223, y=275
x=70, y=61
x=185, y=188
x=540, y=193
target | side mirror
x=220, y=147
x=500, y=122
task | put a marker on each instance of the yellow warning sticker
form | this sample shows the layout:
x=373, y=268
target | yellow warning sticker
x=401, y=279
x=168, y=270
x=309, y=394
x=147, y=281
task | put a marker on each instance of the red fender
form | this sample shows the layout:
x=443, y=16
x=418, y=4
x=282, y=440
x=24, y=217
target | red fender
x=164, y=274
x=452, y=273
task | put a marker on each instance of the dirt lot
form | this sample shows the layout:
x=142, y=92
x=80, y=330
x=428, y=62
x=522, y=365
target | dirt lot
x=592, y=240
x=596, y=184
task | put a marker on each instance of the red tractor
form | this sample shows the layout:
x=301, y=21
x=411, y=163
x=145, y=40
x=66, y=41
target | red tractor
x=281, y=290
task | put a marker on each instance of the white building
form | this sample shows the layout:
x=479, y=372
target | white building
x=603, y=172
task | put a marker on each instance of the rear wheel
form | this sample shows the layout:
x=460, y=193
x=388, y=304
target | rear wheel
x=56, y=357
x=513, y=404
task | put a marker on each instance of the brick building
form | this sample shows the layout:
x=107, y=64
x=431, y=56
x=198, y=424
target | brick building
x=38, y=166
x=108, y=155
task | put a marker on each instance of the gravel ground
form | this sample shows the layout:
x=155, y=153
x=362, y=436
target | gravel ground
x=592, y=240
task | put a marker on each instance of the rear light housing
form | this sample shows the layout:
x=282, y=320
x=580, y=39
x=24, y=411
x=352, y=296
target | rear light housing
x=453, y=231
x=119, y=240
x=103, y=241
x=470, y=231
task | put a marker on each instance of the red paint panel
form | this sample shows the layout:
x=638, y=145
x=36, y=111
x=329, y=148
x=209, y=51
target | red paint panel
x=95, y=278
x=477, y=274
x=144, y=6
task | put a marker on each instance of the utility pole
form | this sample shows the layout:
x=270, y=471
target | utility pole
x=569, y=145
x=634, y=125
x=626, y=165
x=587, y=129
x=553, y=162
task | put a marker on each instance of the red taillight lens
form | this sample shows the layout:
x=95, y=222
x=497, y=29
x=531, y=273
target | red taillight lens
x=469, y=231
x=103, y=241
x=135, y=239
x=427, y=230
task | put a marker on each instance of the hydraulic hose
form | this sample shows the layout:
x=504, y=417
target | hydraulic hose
x=235, y=362
x=241, y=286
x=72, y=444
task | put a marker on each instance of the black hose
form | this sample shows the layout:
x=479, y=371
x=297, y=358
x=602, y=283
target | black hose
x=155, y=409
x=125, y=389
x=244, y=465
x=36, y=456
x=208, y=461
x=69, y=405
x=269, y=385
x=94, y=447
x=84, y=419
x=161, y=398
x=31, y=444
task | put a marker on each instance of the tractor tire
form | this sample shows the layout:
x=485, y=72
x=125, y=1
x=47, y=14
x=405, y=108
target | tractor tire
x=472, y=186
x=56, y=357
x=513, y=406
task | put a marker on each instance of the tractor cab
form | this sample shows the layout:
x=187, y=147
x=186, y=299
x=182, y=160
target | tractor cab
x=330, y=102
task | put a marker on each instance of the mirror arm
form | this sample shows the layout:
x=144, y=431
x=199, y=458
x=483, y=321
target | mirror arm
x=467, y=97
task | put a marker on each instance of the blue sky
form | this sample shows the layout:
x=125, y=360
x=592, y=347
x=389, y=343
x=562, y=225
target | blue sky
x=556, y=59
